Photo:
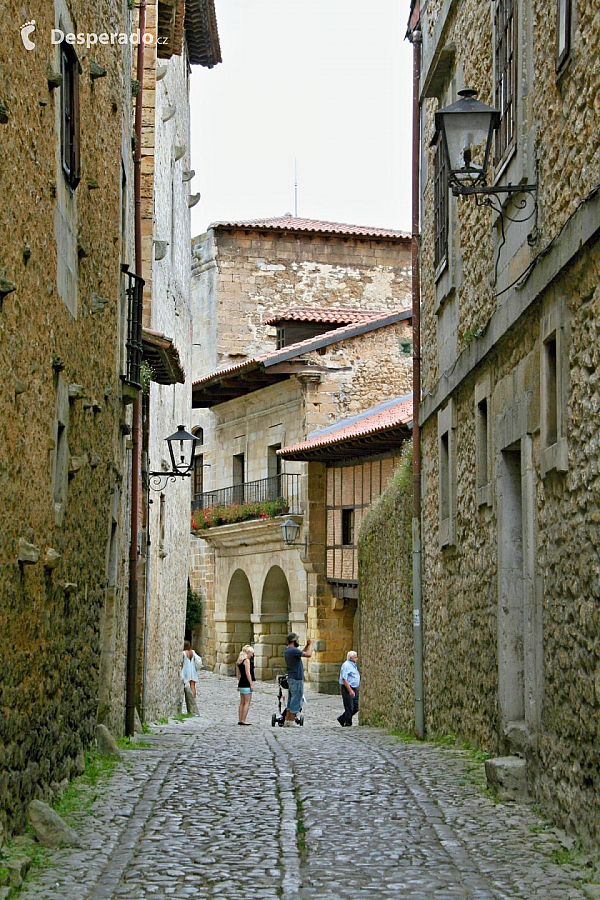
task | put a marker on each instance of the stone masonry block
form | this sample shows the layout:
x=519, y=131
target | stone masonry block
x=507, y=777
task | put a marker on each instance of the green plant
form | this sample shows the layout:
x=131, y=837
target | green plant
x=146, y=374
x=193, y=611
x=126, y=743
x=404, y=736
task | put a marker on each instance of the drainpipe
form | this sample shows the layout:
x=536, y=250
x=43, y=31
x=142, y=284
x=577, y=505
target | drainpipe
x=130, y=690
x=416, y=39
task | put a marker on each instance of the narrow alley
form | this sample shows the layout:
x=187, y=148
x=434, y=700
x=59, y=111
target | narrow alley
x=207, y=810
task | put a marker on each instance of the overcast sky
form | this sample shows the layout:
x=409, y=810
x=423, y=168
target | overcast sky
x=326, y=83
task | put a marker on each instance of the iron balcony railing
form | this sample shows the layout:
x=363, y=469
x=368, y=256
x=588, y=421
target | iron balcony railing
x=284, y=488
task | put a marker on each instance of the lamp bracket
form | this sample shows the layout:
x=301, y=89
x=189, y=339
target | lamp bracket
x=465, y=191
x=490, y=197
x=157, y=481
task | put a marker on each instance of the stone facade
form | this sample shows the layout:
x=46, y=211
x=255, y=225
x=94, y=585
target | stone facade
x=166, y=270
x=257, y=585
x=509, y=424
x=64, y=461
x=242, y=277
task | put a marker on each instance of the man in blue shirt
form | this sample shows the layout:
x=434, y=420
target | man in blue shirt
x=349, y=681
x=295, y=676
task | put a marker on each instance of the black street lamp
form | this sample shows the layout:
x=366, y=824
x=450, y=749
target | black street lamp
x=182, y=458
x=467, y=129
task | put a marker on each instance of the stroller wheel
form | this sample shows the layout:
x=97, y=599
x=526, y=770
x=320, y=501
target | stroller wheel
x=273, y=720
x=300, y=719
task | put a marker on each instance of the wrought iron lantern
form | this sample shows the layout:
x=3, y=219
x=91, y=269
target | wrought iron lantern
x=467, y=129
x=181, y=450
x=290, y=531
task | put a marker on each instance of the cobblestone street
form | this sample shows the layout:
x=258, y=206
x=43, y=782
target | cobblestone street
x=210, y=810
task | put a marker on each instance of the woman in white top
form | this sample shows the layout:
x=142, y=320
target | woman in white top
x=190, y=664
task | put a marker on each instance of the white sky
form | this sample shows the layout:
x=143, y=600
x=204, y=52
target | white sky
x=325, y=82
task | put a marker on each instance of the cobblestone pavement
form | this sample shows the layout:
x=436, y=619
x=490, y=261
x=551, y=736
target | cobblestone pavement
x=210, y=810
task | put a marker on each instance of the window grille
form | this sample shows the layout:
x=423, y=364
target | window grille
x=440, y=190
x=505, y=62
x=135, y=293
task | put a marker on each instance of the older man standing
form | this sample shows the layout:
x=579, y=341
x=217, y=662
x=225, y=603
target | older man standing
x=349, y=681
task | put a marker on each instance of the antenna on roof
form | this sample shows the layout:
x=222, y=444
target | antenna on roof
x=296, y=188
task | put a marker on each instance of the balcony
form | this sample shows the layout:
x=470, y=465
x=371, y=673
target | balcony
x=263, y=499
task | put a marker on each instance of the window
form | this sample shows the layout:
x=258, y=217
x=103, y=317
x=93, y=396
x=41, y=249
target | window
x=69, y=134
x=280, y=337
x=483, y=456
x=238, y=478
x=482, y=439
x=563, y=32
x=554, y=382
x=550, y=375
x=446, y=474
x=440, y=194
x=348, y=527
x=505, y=61
x=198, y=475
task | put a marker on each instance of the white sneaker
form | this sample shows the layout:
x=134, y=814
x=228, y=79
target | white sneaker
x=289, y=724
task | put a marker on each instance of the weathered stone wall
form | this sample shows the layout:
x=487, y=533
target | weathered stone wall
x=385, y=605
x=168, y=311
x=240, y=279
x=499, y=335
x=62, y=452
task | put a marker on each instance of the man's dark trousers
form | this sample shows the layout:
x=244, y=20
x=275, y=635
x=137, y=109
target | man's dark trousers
x=350, y=706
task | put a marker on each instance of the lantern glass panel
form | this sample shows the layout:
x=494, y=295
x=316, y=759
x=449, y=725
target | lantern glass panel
x=467, y=140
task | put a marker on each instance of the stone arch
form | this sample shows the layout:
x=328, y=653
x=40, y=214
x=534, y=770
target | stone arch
x=236, y=629
x=273, y=624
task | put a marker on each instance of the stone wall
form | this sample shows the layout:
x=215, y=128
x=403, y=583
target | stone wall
x=510, y=582
x=385, y=605
x=63, y=458
x=242, y=278
x=167, y=310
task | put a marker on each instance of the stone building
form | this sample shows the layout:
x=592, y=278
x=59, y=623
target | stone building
x=301, y=324
x=188, y=37
x=66, y=132
x=67, y=309
x=359, y=455
x=510, y=398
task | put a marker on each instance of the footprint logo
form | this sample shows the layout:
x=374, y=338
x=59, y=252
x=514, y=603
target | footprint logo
x=26, y=30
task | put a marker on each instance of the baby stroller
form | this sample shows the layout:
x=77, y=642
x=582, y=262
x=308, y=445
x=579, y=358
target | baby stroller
x=279, y=718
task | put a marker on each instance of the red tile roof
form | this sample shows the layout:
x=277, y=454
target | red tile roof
x=382, y=319
x=398, y=414
x=291, y=223
x=325, y=314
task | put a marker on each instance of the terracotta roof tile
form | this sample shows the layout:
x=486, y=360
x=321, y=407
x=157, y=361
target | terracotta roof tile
x=291, y=223
x=400, y=412
x=325, y=314
x=292, y=350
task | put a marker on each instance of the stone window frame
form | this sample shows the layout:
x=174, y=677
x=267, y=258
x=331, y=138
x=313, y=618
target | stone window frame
x=60, y=454
x=554, y=330
x=483, y=442
x=447, y=474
